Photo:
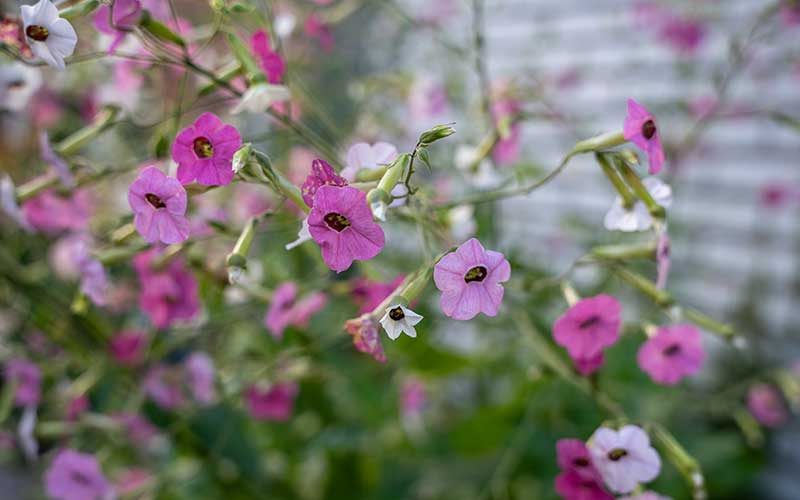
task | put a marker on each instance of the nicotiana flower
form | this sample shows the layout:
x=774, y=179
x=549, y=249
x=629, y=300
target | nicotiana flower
x=168, y=294
x=260, y=96
x=322, y=174
x=683, y=34
x=470, y=280
x=274, y=403
x=314, y=27
x=18, y=82
x=673, y=353
x=125, y=15
x=638, y=218
x=269, y=60
x=427, y=100
x=507, y=149
x=367, y=156
x=364, y=330
x=589, y=326
x=94, y=279
x=399, y=319
x=571, y=486
x=662, y=259
x=341, y=223
x=159, y=206
x=28, y=378
x=624, y=458
x=573, y=455
x=587, y=366
x=368, y=294
x=640, y=128
x=50, y=37
x=76, y=476
x=204, y=151
x=52, y=213
x=766, y=405
x=286, y=310
x=129, y=347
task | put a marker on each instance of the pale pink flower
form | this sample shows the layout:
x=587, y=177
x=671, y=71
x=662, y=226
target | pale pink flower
x=589, y=326
x=125, y=15
x=369, y=294
x=640, y=128
x=200, y=371
x=28, y=377
x=204, y=151
x=274, y=403
x=75, y=476
x=767, y=405
x=368, y=156
x=364, y=330
x=412, y=396
x=52, y=213
x=159, y=206
x=673, y=353
x=341, y=223
x=470, y=280
x=624, y=458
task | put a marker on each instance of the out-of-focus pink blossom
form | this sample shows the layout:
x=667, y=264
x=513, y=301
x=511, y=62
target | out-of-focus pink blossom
x=166, y=295
x=76, y=476
x=767, y=406
x=273, y=403
x=76, y=407
x=589, y=326
x=640, y=128
x=129, y=347
x=125, y=16
x=364, y=330
x=412, y=396
x=315, y=27
x=269, y=60
x=369, y=294
x=427, y=100
x=673, y=353
x=775, y=195
x=28, y=378
x=51, y=213
x=587, y=366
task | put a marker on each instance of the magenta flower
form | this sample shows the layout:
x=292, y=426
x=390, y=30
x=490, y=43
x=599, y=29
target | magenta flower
x=274, y=403
x=168, y=294
x=470, y=280
x=640, y=128
x=647, y=495
x=76, y=407
x=341, y=223
x=775, y=195
x=159, y=206
x=571, y=486
x=766, y=405
x=75, y=476
x=672, y=353
x=507, y=149
x=29, y=381
x=624, y=458
x=138, y=429
x=662, y=260
x=790, y=13
x=280, y=314
x=322, y=174
x=52, y=213
x=682, y=34
x=587, y=366
x=269, y=60
x=316, y=28
x=129, y=347
x=589, y=326
x=126, y=15
x=369, y=294
x=364, y=330
x=204, y=151
x=573, y=456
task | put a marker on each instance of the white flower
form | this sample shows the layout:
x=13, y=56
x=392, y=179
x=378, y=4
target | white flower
x=638, y=218
x=8, y=203
x=284, y=24
x=261, y=96
x=462, y=222
x=624, y=458
x=18, y=82
x=399, y=319
x=367, y=156
x=302, y=236
x=50, y=37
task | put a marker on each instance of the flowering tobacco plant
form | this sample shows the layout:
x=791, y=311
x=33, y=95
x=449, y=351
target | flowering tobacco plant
x=412, y=339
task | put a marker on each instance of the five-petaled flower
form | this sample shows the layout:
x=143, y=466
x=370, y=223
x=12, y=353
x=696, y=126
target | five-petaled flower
x=341, y=223
x=159, y=206
x=204, y=151
x=624, y=458
x=640, y=128
x=589, y=326
x=76, y=476
x=470, y=280
x=399, y=319
x=674, y=352
x=49, y=37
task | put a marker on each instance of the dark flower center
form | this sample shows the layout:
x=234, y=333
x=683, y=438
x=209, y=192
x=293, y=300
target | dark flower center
x=581, y=462
x=80, y=478
x=649, y=129
x=616, y=454
x=589, y=322
x=337, y=222
x=36, y=32
x=154, y=200
x=15, y=84
x=672, y=350
x=397, y=313
x=203, y=148
x=477, y=273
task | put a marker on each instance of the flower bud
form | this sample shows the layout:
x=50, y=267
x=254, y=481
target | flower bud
x=379, y=201
x=242, y=157
x=436, y=133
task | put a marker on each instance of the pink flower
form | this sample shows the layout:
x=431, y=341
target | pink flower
x=316, y=28
x=285, y=310
x=307, y=307
x=790, y=13
x=341, y=223
x=168, y=294
x=587, y=366
x=322, y=174
x=159, y=206
x=775, y=195
x=369, y=294
x=470, y=280
x=137, y=429
x=640, y=128
x=624, y=458
x=269, y=60
x=133, y=481
x=76, y=407
x=682, y=34
x=672, y=353
x=126, y=15
x=767, y=406
x=427, y=100
x=129, y=347
x=163, y=385
x=29, y=381
x=412, y=396
x=364, y=330
x=75, y=476
x=573, y=456
x=571, y=486
x=171, y=386
x=589, y=326
x=52, y=213
x=507, y=149
x=662, y=260
x=274, y=403
x=200, y=371
x=204, y=150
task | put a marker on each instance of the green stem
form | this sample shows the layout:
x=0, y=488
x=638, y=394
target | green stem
x=641, y=191
x=628, y=199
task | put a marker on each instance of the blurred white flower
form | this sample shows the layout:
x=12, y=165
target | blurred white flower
x=302, y=236
x=18, y=82
x=261, y=96
x=638, y=218
x=50, y=37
